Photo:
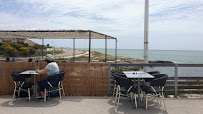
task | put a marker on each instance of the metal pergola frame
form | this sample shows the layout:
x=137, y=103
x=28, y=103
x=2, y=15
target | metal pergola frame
x=59, y=34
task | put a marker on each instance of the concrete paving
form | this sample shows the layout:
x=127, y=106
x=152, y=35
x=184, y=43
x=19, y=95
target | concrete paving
x=97, y=105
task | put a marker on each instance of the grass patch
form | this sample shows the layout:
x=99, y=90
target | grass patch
x=39, y=52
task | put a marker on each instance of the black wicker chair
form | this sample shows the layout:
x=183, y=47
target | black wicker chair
x=124, y=88
x=56, y=87
x=21, y=84
x=155, y=88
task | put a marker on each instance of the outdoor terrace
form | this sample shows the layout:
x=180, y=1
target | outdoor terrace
x=97, y=105
x=88, y=89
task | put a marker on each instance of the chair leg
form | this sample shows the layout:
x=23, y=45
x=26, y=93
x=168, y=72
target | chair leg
x=135, y=101
x=131, y=96
x=157, y=97
x=119, y=95
x=115, y=100
x=29, y=93
x=141, y=96
x=14, y=93
x=146, y=101
x=63, y=91
x=114, y=89
x=60, y=93
x=163, y=101
x=45, y=95
x=18, y=92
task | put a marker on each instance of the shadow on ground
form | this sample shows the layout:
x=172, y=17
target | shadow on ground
x=127, y=107
x=25, y=103
x=80, y=98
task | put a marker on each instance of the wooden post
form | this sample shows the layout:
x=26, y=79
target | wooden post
x=116, y=51
x=73, y=49
x=89, y=46
x=43, y=49
x=105, y=48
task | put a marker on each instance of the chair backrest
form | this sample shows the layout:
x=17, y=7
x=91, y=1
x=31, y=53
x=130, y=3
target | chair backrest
x=116, y=75
x=116, y=78
x=159, y=75
x=120, y=74
x=125, y=82
x=17, y=77
x=154, y=72
x=56, y=78
x=159, y=81
x=62, y=74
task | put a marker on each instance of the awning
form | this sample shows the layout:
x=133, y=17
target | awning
x=52, y=34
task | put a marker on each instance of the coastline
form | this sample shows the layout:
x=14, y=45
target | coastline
x=99, y=57
x=95, y=57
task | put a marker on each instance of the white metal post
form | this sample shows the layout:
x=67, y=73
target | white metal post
x=146, y=23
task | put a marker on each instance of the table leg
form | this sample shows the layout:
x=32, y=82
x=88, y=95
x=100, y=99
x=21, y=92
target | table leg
x=138, y=90
x=34, y=90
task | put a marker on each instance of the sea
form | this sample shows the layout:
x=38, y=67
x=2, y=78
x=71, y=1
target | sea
x=176, y=56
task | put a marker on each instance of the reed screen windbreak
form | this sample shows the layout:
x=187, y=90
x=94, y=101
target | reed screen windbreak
x=81, y=79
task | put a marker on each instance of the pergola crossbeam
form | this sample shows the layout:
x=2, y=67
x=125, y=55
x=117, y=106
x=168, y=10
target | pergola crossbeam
x=58, y=34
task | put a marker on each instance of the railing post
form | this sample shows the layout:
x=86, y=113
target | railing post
x=73, y=49
x=105, y=48
x=109, y=80
x=89, y=46
x=116, y=51
x=43, y=48
x=176, y=80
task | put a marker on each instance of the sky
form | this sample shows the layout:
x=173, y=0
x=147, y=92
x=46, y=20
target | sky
x=173, y=24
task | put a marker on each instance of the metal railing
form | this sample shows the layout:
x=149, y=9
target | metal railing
x=174, y=65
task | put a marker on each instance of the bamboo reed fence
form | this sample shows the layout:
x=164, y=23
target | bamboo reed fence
x=81, y=79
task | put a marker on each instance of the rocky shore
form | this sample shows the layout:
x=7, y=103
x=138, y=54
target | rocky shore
x=100, y=57
x=121, y=59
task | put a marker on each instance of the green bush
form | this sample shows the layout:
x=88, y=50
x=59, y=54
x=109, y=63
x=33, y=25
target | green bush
x=10, y=51
x=24, y=51
x=32, y=51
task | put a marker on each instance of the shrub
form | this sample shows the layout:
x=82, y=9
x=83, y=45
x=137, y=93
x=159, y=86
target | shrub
x=32, y=51
x=24, y=51
x=10, y=51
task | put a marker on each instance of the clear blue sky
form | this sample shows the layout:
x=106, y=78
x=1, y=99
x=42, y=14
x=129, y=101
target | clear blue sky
x=173, y=24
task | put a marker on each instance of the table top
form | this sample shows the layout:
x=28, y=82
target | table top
x=30, y=72
x=137, y=74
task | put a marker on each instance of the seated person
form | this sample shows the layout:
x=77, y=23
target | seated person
x=8, y=59
x=51, y=69
x=30, y=60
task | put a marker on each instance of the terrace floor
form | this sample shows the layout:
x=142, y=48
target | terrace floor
x=97, y=105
